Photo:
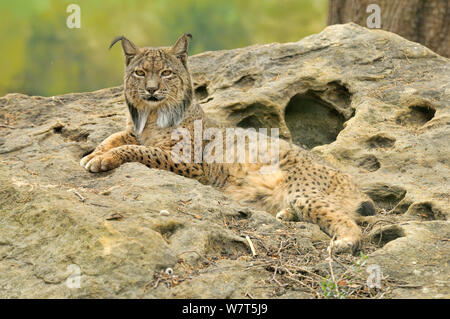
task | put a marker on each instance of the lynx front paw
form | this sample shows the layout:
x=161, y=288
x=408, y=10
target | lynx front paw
x=101, y=163
x=87, y=158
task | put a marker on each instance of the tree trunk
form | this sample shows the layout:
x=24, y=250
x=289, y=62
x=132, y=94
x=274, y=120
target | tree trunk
x=423, y=21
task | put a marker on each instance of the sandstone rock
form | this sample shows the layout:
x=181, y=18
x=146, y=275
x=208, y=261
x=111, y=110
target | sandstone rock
x=418, y=253
x=370, y=102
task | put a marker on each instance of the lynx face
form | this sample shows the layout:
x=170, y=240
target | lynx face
x=156, y=79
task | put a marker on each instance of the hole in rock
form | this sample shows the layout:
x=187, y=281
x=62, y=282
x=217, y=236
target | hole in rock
x=246, y=81
x=338, y=95
x=380, y=141
x=201, y=92
x=385, y=196
x=416, y=115
x=222, y=245
x=312, y=121
x=425, y=211
x=57, y=129
x=402, y=207
x=258, y=115
x=369, y=163
x=251, y=121
x=384, y=235
x=167, y=229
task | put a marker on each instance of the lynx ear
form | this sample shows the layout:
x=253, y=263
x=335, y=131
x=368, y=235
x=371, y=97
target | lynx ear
x=180, y=48
x=130, y=50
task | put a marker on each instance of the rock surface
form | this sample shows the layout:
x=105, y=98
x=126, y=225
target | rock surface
x=370, y=102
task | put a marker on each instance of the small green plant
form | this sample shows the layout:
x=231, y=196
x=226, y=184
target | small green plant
x=330, y=290
x=363, y=260
x=360, y=263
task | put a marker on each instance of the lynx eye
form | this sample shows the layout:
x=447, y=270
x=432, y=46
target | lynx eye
x=139, y=73
x=166, y=73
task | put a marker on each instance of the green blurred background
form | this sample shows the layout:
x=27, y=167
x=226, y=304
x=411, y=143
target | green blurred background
x=40, y=55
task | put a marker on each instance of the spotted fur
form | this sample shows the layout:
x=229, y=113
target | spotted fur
x=158, y=92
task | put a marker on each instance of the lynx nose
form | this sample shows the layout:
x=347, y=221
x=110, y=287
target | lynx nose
x=151, y=89
x=152, y=86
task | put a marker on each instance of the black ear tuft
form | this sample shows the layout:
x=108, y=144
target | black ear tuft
x=116, y=39
x=130, y=50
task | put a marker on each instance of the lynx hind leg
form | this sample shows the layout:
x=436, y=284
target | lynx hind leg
x=331, y=220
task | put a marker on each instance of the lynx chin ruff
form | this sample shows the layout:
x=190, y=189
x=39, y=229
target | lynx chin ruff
x=159, y=95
